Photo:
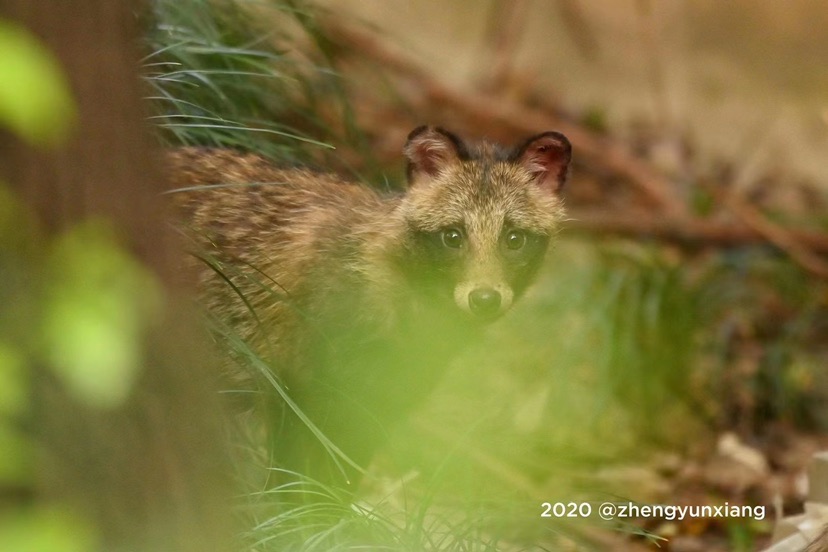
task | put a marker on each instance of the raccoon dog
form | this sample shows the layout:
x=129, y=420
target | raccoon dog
x=356, y=299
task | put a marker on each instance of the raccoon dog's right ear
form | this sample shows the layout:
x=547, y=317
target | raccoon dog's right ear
x=429, y=150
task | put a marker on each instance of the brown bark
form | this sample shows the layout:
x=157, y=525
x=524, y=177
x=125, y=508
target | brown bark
x=108, y=168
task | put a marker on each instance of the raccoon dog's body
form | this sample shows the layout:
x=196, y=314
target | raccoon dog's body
x=357, y=299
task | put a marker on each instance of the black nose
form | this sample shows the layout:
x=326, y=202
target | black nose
x=484, y=301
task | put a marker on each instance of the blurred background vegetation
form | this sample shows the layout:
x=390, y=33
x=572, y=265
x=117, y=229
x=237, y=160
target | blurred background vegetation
x=674, y=350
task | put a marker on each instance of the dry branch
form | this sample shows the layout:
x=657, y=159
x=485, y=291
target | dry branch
x=669, y=220
x=781, y=237
x=606, y=154
x=689, y=231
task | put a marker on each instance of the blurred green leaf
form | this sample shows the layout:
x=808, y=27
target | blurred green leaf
x=13, y=384
x=96, y=314
x=15, y=457
x=595, y=118
x=45, y=530
x=35, y=101
x=740, y=537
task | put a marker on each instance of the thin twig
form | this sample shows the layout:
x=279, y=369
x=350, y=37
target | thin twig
x=786, y=240
x=781, y=237
x=579, y=29
x=507, y=21
x=689, y=231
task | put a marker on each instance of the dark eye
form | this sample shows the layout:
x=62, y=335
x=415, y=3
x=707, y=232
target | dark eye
x=515, y=240
x=453, y=238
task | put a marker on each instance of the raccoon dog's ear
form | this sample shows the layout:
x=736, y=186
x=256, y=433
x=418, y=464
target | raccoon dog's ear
x=547, y=157
x=430, y=149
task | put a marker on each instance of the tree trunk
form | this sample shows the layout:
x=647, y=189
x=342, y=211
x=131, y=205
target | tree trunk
x=148, y=474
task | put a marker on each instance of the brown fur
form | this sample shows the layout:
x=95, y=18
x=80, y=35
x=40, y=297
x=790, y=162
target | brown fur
x=349, y=294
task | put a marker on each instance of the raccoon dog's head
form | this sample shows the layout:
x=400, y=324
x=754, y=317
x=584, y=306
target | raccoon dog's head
x=479, y=217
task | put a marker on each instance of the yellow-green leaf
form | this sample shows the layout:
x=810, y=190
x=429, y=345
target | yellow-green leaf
x=13, y=380
x=45, y=530
x=100, y=304
x=35, y=101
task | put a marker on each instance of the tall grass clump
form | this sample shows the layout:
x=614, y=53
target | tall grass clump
x=225, y=73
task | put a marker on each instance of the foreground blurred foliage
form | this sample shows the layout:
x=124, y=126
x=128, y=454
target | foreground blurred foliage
x=89, y=337
x=34, y=100
x=75, y=305
x=35, y=104
x=100, y=302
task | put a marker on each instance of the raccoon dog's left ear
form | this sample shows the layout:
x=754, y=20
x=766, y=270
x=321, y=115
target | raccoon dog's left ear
x=547, y=157
x=430, y=150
